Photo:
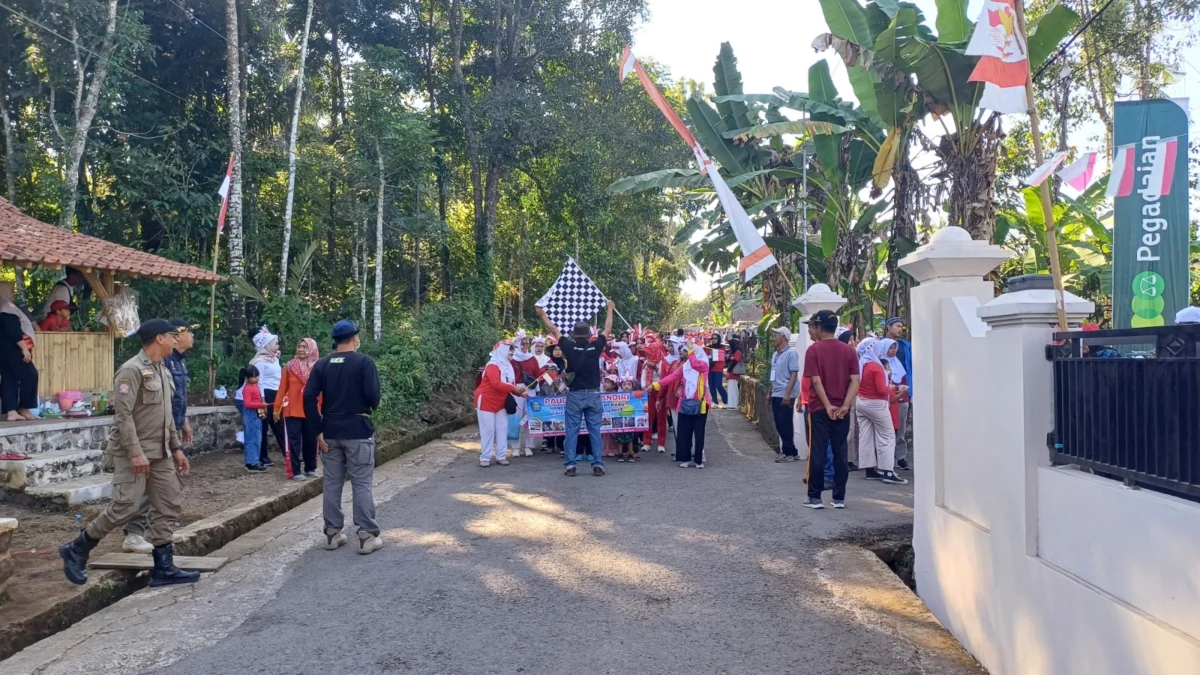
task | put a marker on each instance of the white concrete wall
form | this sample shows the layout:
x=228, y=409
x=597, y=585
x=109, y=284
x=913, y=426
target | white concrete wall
x=1036, y=570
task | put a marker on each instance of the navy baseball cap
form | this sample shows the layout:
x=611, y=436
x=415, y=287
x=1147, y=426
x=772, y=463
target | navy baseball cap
x=153, y=328
x=344, y=329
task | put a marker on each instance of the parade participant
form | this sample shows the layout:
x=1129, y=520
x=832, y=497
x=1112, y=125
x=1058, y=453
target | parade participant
x=716, y=371
x=59, y=319
x=627, y=442
x=135, y=530
x=18, y=375
x=491, y=404
x=583, y=399
x=734, y=369
x=692, y=406
x=147, y=459
x=627, y=362
x=785, y=387
x=832, y=369
x=270, y=372
x=609, y=443
x=527, y=371
x=289, y=407
x=656, y=410
x=539, y=352
x=343, y=390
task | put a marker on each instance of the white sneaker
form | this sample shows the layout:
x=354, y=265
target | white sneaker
x=368, y=543
x=136, y=543
x=299, y=477
x=685, y=465
x=529, y=452
x=645, y=448
x=700, y=466
x=333, y=541
x=661, y=449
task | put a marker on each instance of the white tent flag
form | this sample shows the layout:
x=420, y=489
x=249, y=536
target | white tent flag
x=572, y=298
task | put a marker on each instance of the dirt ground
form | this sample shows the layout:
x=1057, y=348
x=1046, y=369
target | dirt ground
x=217, y=481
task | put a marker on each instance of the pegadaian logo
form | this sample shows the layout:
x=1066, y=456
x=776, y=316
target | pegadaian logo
x=1148, y=300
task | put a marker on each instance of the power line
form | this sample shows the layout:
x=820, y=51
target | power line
x=1063, y=50
x=111, y=62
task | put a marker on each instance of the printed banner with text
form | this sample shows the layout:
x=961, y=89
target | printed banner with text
x=624, y=412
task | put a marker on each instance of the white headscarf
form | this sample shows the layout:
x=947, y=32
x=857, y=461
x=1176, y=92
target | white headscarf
x=520, y=355
x=500, y=359
x=8, y=307
x=262, y=345
x=866, y=352
x=627, y=363
x=896, y=364
x=878, y=352
x=543, y=358
x=691, y=376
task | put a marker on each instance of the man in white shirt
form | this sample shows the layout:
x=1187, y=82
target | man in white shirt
x=64, y=290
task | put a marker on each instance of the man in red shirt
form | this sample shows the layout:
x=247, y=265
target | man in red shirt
x=831, y=368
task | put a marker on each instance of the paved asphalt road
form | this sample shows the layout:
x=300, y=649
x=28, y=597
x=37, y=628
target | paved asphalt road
x=650, y=569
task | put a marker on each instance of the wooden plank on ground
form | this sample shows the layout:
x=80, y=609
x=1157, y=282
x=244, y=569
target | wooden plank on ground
x=138, y=561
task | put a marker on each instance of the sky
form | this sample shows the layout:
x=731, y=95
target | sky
x=685, y=36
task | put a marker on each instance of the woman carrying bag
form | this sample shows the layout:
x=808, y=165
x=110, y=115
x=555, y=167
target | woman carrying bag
x=691, y=406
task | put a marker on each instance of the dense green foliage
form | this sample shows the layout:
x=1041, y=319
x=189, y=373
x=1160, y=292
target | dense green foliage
x=495, y=129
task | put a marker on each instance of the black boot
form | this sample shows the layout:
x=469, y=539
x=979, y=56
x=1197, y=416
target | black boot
x=165, y=572
x=75, y=557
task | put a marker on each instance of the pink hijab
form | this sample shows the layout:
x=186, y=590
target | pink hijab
x=303, y=368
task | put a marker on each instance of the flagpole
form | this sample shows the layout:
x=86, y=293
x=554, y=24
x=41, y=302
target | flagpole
x=212, y=322
x=1047, y=204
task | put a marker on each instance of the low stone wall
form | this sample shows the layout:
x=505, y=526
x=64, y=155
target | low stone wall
x=214, y=428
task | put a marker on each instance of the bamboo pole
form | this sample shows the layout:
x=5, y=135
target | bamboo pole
x=1039, y=157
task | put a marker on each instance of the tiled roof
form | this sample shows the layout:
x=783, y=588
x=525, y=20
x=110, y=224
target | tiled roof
x=27, y=241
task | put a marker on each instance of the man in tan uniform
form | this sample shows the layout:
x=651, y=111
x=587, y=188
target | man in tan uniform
x=146, y=457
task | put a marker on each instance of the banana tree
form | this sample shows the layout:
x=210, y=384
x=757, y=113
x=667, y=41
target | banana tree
x=889, y=45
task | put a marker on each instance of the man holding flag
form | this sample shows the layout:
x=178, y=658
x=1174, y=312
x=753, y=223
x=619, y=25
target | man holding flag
x=583, y=399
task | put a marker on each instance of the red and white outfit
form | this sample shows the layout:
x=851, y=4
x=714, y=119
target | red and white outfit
x=499, y=380
x=527, y=367
x=652, y=372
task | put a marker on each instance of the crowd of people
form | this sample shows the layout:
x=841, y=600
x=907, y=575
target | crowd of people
x=682, y=377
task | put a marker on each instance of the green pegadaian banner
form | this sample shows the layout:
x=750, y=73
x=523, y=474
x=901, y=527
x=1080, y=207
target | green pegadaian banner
x=1150, y=230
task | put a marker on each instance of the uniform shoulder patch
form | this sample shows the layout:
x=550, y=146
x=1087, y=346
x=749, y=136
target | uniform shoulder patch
x=338, y=359
x=124, y=387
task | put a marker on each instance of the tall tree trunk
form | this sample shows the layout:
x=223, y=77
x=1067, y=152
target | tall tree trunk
x=483, y=253
x=291, y=185
x=10, y=178
x=379, y=245
x=904, y=227
x=443, y=194
x=972, y=174
x=486, y=239
x=362, y=274
x=234, y=213
x=83, y=118
x=417, y=275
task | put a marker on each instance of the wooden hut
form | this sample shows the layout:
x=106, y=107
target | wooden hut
x=81, y=361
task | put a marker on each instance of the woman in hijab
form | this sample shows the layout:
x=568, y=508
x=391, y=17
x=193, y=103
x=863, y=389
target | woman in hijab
x=627, y=361
x=499, y=380
x=872, y=410
x=692, y=405
x=289, y=407
x=559, y=387
x=527, y=371
x=270, y=374
x=716, y=371
x=18, y=376
x=732, y=378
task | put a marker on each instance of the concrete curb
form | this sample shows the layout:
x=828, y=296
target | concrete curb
x=200, y=538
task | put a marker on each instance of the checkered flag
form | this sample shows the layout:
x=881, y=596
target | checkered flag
x=572, y=298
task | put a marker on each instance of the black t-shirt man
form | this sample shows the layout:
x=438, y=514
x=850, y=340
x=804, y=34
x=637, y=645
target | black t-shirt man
x=583, y=359
x=349, y=384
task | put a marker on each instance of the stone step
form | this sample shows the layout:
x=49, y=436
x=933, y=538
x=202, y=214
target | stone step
x=45, y=468
x=73, y=492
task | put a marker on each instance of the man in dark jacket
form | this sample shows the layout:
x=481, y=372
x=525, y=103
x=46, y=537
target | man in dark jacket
x=347, y=385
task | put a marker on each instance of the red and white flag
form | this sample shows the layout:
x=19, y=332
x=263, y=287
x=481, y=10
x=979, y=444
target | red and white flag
x=1120, y=181
x=756, y=257
x=1003, y=58
x=224, y=192
x=1043, y=172
x=1162, y=169
x=1079, y=174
